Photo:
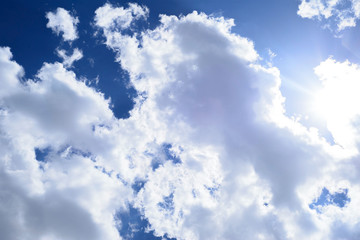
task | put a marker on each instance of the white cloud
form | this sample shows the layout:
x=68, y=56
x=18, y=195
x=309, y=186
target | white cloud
x=109, y=17
x=317, y=8
x=69, y=60
x=65, y=197
x=337, y=101
x=239, y=150
x=343, y=14
x=10, y=73
x=356, y=8
x=208, y=135
x=61, y=21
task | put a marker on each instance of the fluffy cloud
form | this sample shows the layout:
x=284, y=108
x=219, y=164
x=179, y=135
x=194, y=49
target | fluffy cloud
x=337, y=101
x=63, y=196
x=61, y=21
x=244, y=164
x=109, y=17
x=317, y=8
x=343, y=13
x=207, y=152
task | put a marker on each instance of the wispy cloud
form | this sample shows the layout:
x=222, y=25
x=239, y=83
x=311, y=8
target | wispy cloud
x=68, y=60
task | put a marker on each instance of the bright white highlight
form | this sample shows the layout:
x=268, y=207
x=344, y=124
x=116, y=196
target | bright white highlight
x=338, y=100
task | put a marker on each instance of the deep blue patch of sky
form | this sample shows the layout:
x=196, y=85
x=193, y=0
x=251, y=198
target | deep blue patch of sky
x=169, y=154
x=339, y=199
x=41, y=154
x=138, y=185
x=134, y=226
x=168, y=204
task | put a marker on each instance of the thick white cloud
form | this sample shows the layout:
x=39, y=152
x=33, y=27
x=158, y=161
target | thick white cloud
x=64, y=197
x=208, y=136
x=203, y=91
x=10, y=73
x=343, y=14
x=337, y=101
x=61, y=21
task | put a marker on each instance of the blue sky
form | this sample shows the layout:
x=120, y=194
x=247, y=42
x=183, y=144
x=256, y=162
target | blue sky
x=179, y=119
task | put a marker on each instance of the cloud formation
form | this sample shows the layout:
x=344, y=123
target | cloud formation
x=64, y=196
x=343, y=14
x=109, y=17
x=208, y=151
x=62, y=22
x=68, y=60
x=204, y=92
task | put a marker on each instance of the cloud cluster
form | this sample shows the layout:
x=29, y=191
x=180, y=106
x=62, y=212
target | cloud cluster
x=343, y=13
x=207, y=152
x=61, y=21
x=248, y=171
x=64, y=196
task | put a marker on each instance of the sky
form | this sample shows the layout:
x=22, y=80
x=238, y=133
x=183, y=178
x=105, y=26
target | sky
x=231, y=119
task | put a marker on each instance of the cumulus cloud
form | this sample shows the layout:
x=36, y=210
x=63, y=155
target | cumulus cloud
x=343, y=14
x=63, y=196
x=244, y=163
x=208, y=151
x=62, y=22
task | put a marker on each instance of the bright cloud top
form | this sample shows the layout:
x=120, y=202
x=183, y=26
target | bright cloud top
x=337, y=101
x=109, y=17
x=208, y=151
x=343, y=13
x=62, y=22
